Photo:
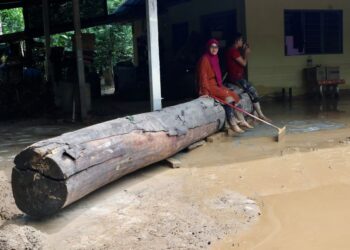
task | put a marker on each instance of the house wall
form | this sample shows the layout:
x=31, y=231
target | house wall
x=190, y=12
x=263, y=23
x=269, y=69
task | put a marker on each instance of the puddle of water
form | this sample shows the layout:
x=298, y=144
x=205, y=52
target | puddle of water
x=26, y=140
x=299, y=126
x=13, y=144
x=316, y=219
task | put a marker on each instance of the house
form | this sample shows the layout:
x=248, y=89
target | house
x=283, y=36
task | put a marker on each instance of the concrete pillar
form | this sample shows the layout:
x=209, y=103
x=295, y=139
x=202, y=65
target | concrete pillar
x=153, y=54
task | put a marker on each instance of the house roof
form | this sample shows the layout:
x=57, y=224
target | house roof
x=128, y=5
x=133, y=9
x=130, y=10
x=93, y=13
x=9, y=4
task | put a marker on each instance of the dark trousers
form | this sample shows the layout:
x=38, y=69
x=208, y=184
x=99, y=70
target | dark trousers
x=229, y=111
x=249, y=89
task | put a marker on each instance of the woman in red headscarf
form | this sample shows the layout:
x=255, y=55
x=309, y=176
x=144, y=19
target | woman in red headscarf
x=210, y=83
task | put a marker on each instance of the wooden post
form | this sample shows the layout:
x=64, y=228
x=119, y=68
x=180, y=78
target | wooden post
x=80, y=60
x=46, y=22
x=153, y=54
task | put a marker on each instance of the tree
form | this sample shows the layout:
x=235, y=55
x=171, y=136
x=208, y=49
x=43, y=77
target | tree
x=113, y=42
x=113, y=4
x=11, y=20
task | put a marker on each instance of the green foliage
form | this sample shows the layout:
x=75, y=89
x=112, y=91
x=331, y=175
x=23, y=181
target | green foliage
x=113, y=4
x=62, y=40
x=113, y=42
x=12, y=20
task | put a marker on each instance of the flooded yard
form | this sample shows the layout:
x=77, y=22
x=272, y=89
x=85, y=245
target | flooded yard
x=238, y=192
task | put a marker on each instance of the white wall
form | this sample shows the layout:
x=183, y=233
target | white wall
x=269, y=69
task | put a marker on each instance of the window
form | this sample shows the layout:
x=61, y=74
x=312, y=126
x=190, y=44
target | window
x=313, y=32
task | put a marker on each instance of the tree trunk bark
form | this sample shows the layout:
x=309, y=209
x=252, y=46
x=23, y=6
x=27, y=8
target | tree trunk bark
x=54, y=173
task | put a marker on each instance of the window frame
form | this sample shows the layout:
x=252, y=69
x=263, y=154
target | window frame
x=323, y=13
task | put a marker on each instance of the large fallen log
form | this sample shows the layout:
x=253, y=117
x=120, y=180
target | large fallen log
x=54, y=173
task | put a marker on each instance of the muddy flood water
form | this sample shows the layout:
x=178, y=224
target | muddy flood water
x=238, y=192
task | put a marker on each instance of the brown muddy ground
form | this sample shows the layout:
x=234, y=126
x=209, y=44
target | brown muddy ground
x=245, y=192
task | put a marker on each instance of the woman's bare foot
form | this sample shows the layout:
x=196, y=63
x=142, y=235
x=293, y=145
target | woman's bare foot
x=246, y=125
x=237, y=129
x=233, y=123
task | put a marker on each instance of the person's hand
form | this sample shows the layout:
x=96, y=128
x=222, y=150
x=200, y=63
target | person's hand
x=247, y=50
x=229, y=99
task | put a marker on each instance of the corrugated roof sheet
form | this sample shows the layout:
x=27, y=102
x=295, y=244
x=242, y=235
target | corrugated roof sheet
x=136, y=8
x=128, y=5
x=130, y=10
x=9, y=4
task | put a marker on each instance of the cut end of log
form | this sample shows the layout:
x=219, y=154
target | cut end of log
x=36, y=195
x=29, y=159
